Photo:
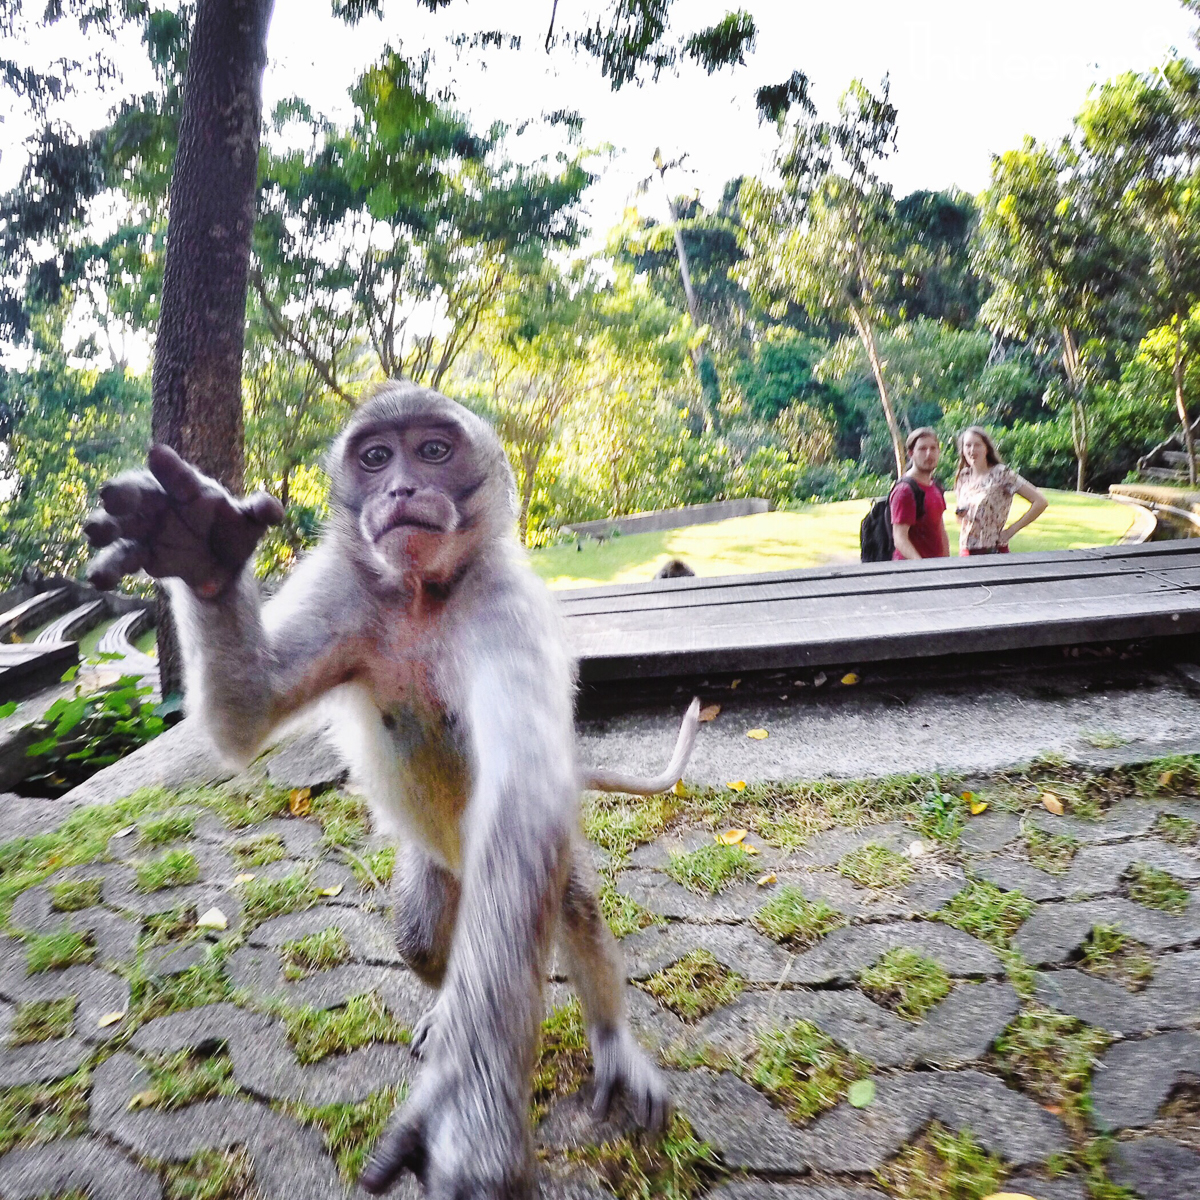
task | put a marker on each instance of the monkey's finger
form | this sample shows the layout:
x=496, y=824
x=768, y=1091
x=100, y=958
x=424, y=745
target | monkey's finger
x=133, y=492
x=180, y=480
x=101, y=529
x=123, y=557
x=262, y=508
x=603, y=1099
x=401, y=1148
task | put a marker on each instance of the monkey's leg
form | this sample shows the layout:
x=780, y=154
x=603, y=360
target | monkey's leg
x=425, y=896
x=596, y=970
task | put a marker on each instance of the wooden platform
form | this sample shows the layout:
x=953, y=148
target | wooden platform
x=860, y=613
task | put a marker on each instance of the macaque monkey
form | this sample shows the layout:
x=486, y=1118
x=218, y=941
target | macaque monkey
x=419, y=623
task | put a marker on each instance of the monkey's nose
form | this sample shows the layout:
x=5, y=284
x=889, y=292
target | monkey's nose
x=402, y=491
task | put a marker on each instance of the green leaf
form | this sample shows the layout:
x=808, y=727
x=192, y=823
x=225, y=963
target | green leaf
x=70, y=673
x=7, y=710
x=39, y=748
x=861, y=1093
x=71, y=715
x=54, y=711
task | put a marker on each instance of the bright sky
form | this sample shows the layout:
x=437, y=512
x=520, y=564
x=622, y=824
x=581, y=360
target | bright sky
x=969, y=79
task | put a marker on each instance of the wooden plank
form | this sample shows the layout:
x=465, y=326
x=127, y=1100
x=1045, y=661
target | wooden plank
x=32, y=611
x=27, y=667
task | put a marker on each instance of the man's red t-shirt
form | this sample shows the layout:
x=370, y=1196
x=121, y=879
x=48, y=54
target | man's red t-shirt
x=926, y=533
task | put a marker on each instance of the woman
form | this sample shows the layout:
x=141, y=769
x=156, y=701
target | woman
x=983, y=492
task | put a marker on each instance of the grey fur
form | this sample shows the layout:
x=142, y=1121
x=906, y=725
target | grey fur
x=443, y=660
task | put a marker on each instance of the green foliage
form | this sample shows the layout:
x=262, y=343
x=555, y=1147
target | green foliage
x=174, y=868
x=1110, y=954
x=161, y=830
x=618, y=826
x=1180, y=830
x=1050, y=852
x=40, y=1113
x=211, y=1175
x=710, y=868
x=942, y=1165
x=41, y=1020
x=1156, y=889
x=321, y=951
x=77, y=894
x=875, y=866
x=258, y=851
x=674, y=1166
x=187, y=1077
x=803, y=1068
x=984, y=911
x=623, y=913
x=563, y=1057
x=694, y=986
x=789, y=916
x=54, y=951
x=350, y=1130
x=906, y=982
x=263, y=899
x=316, y=1033
x=76, y=737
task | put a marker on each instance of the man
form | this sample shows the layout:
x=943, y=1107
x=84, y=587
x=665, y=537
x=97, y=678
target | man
x=918, y=529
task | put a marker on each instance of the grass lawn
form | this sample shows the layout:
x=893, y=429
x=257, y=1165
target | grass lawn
x=812, y=535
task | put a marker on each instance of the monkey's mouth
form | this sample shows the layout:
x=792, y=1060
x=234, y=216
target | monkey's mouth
x=405, y=516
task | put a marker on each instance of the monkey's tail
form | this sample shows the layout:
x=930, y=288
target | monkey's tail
x=611, y=781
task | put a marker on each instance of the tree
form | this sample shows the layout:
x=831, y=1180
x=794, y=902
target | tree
x=1143, y=135
x=823, y=234
x=1041, y=247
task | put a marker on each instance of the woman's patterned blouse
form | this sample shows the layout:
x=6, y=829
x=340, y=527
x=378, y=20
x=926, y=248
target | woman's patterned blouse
x=982, y=503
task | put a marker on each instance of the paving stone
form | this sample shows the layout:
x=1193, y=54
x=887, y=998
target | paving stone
x=957, y=1031
x=1167, y=1002
x=75, y=1164
x=173, y=959
x=1129, y=818
x=42, y=1062
x=828, y=848
x=307, y=760
x=1134, y=1078
x=96, y=992
x=1156, y=1169
x=1055, y=931
x=750, y=1133
x=370, y=937
x=21, y=816
x=579, y=1184
x=288, y=1159
x=655, y=1027
x=757, y=958
x=264, y=1062
x=1047, y=1189
x=1016, y=875
x=217, y=872
x=1096, y=870
x=34, y=910
x=989, y=832
x=113, y=935
x=761, y=1189
x=301, y=838
x=842, y=954
x=570, y=1125
x=666, y=898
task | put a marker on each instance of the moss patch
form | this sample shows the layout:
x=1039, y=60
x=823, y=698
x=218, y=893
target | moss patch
x=316, y=1033
x=942, y=1165
x=876, y=866
x=1049, y=852
x=789, y=916
x=258, y=851
x=623, y=913
x=1051, y=1056
x=710, y=868
x=984, y=911
x=350, y=1130
x=906, y=982
x=31, y=1116
x=75, y=894
x=803, y=1069
x=173, y=868
x=675, y=1166
x=563, y=1057
x=41, y=1020
x=375, y=868
x=176, y=925
x=694, y=986
x=187, y=1077
x=211, y=1175
x=54, y=951
x=618, y=826
x=321, y=951
x=1148, y=885
x=1111, y=955
x=1178, y=830
x=263, y=899
x=162, y=829
x=342, y=817
x=205, y=983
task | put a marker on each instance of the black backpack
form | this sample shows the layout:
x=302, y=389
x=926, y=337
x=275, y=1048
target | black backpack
x=875, y=532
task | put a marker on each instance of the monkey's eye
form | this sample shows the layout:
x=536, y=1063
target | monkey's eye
x=435, y=450
x=374, y=458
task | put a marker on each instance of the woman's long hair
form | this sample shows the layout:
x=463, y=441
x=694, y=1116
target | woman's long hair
x=993, y=457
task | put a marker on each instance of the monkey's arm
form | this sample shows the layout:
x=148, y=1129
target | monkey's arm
x=614, y=781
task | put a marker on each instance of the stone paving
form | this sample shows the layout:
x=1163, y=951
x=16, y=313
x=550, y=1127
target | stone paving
x=1046, y=1018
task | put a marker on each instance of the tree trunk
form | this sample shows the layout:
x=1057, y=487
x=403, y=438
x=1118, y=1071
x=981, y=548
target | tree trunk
x=1181, y=404
x=867, y=336
x=197, y=381
x=1073, y=369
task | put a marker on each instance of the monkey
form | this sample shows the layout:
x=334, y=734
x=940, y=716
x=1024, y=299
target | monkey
x=674, y=568
x=418, y=622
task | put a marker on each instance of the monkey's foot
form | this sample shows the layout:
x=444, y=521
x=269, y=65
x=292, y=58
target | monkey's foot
x=424, y=1026
x=459, y=1148
x=622, y=1066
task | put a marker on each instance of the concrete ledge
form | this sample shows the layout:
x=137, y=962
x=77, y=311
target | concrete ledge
x=672, y=518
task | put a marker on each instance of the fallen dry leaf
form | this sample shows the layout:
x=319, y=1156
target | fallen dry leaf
x=213, y=919
x=126, y=831
x=1051, y=803
x=757, y=734
x=731, y=837
x=734, y=684
x=110, y=1018
x=300, y=802
x=849, y=679
x=860, y=1093
x=146, y=1099
x=244, y=877
x=336, y=890
x=679, y=789
x=1053, y=1109
x=709, y=712
x=763, y=880
x=749, y=849
x=978, y=806
x=738, y=785
x=1167, y=779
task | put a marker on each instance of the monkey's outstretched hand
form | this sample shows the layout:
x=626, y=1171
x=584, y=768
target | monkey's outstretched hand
x=173, y=522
